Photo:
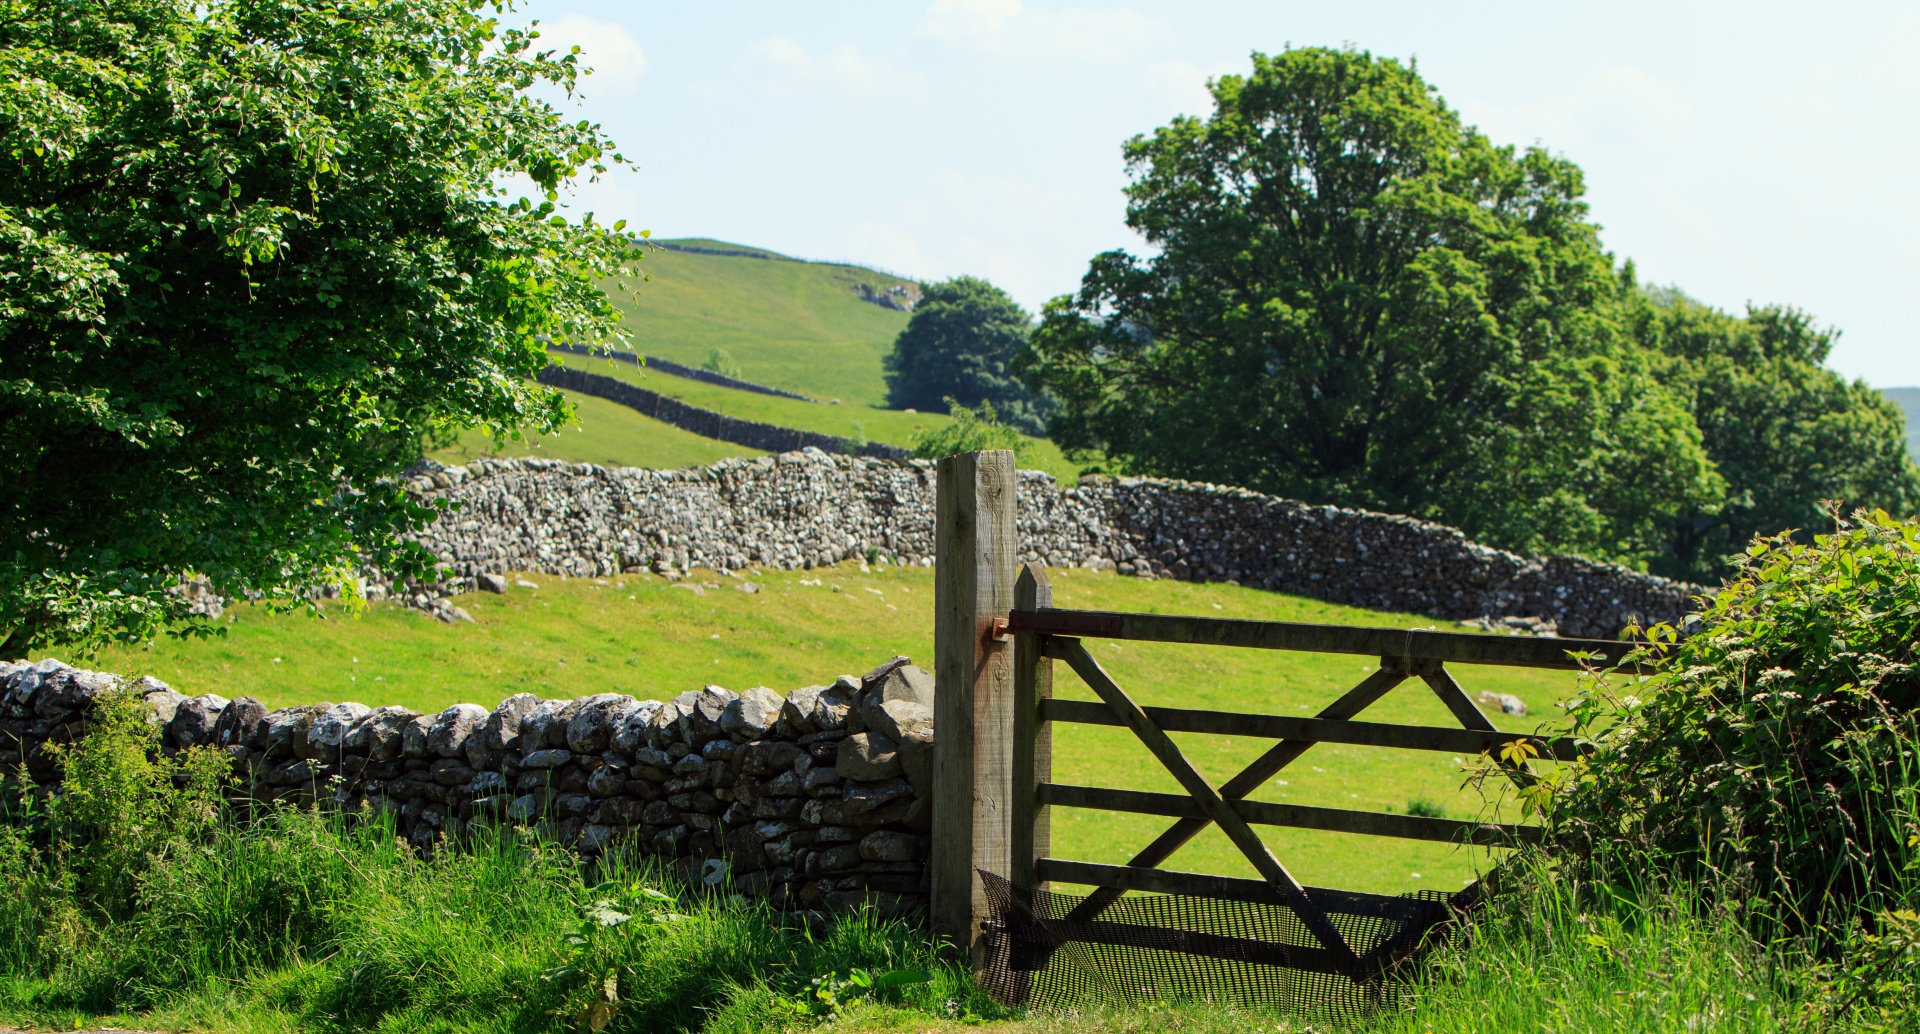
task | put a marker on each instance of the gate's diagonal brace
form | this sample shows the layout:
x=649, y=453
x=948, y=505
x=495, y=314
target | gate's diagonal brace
x=1210, y=801
x=1469, y=716
x=1251, y=778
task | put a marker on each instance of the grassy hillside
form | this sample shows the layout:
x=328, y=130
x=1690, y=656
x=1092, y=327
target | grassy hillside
x=607, y=433
x=644, y=636
x=794, y=325
x=789, y=324
x=847, y=420
x=1909, y=400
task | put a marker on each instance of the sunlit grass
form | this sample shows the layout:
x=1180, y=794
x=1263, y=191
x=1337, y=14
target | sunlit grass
x=606, y=433
x=644, y=636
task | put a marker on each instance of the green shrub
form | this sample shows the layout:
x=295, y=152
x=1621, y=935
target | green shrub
x=971, y=430
x=1770, y=756
x=721, y=361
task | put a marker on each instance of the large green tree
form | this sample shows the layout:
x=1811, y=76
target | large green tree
x=1354, y=298
x=1785, y=432
x=251, y=251
x=959, y=345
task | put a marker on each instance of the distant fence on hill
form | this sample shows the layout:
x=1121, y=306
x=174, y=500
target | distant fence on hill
x=707, y=423
x=692, y=373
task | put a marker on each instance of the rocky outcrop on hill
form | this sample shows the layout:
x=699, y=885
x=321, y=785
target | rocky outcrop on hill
x=810, y=508
x=815, y=799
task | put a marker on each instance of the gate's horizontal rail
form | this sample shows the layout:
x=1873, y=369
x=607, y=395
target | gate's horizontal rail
x=1297, y=816
x=1208, y=945
x=1315, y=730
x=1202, y=885
x=1461, y=647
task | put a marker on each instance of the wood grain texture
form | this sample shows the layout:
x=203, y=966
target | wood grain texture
x=1033, y=734
x=1229, y=888
x=1318, y=730
x=975, y=552
x=1460, y=647
x=1297, y=816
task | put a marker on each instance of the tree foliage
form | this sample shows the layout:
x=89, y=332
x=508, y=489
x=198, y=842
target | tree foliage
x=1784, y=431
x=1356, y=299
x=251, y=251
x=958, y=346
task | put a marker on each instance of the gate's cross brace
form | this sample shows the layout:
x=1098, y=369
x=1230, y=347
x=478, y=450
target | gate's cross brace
x=1251, y=778
x=1469, y=716
x=1393, y=671
x=1210, y=800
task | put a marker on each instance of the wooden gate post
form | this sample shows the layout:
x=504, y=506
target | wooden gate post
x=1032, y=738
x=974, y=553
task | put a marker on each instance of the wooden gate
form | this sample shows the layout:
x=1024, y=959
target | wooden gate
x=997, y=638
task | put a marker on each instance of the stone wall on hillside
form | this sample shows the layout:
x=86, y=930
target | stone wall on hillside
x=810, y=508
x=706, y=422
x=815, y=799
x=693, y=373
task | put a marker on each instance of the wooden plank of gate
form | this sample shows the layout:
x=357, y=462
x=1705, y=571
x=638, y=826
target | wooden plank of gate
x=1443, y=685
x=1319, y=730
x=1460, y=647
x=1251, y=778
x=1205, y=885
x=1215, y=946
x=1296, y=816
x=1033, y=736
x=1225, y=817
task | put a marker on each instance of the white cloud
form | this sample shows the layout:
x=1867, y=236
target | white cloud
x=1009, y=28
x=608, y=48
x=841, y=65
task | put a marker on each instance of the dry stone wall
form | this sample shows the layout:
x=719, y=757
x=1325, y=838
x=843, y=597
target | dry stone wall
x=706, y=422
x=815, y=799
x=692, y=373
x=810, y=508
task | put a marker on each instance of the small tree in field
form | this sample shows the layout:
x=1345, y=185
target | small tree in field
x=251, y=253
x=958, y=346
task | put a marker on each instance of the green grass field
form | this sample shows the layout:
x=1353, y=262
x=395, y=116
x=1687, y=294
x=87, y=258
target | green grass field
x=793, y=325
x=607, y=433
x=647, y=637
x=894, y=427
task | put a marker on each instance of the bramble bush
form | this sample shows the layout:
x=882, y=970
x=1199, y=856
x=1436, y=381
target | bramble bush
x=1769, y=757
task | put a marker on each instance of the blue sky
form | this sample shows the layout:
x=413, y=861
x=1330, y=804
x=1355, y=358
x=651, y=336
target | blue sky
x=1745, y=152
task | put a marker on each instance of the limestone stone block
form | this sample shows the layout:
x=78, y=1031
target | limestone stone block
x=868, y=756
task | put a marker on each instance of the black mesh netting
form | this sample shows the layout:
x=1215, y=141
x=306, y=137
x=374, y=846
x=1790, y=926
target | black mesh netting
x=1147, y=947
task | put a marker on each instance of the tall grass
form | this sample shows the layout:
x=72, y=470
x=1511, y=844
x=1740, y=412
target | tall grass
x=293, y=918
x=328, y=924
